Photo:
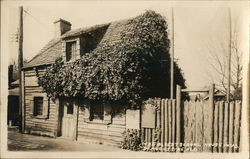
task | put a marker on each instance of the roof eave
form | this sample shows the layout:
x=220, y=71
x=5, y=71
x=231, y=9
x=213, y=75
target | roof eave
x=29, y=67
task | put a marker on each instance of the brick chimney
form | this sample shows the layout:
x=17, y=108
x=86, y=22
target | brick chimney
x=61, y=27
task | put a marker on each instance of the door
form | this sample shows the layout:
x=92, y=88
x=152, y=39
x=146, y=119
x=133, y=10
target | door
x=68, y=119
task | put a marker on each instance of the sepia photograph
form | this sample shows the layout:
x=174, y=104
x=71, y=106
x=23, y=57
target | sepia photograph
x=124, y=79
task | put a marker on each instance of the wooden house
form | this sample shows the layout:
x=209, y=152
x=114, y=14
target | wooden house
x=77, y=119
x=63, y=117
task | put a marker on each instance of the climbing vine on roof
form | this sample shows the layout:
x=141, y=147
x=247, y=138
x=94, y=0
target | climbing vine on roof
x=126, y=66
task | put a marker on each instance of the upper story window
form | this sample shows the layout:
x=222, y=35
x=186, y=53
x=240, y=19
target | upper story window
x=71, y=51
x=38, y=106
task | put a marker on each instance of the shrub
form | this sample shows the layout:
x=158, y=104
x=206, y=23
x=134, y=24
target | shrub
x=131, y=140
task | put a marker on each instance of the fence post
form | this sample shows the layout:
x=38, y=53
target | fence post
x=211, y=117
x=178, y=120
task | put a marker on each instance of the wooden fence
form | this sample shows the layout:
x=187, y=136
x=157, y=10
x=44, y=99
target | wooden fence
x=162, y=136
x=212, y=129
x=191, y=126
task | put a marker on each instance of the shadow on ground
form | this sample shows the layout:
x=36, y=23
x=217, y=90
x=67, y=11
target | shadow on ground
x=24, y=142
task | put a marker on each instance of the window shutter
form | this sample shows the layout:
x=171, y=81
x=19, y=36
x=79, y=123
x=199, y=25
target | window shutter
x=46, y=108
x=32, y=105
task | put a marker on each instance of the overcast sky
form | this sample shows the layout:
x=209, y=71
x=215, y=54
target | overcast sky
x=198, y=25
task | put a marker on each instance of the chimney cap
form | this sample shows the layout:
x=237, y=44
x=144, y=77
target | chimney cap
x=62, y=20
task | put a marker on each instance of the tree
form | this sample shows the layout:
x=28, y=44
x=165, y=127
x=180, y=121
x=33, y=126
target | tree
x=218, y=60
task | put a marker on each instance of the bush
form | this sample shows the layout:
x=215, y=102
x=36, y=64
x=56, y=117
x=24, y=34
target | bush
x=131, y=140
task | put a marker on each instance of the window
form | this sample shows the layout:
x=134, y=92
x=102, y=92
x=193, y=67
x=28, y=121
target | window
x=97, y=111
x=70, y=108
x=70, y=51
x=38, y=106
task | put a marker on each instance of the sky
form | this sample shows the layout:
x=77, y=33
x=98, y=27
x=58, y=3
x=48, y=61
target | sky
x=197, y=25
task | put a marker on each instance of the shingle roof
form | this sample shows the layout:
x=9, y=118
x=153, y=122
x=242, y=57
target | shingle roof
x=45, y=55
x=83, y=30
x=49, y=53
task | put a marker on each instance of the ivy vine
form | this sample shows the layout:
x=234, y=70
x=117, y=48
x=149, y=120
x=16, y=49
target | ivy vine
x=125, y=67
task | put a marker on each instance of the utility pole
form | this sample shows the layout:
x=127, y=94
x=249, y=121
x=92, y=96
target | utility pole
x=20, y=64
x=172, y=60
x=229, y=58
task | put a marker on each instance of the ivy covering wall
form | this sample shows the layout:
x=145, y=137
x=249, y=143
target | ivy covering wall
x=126, y=66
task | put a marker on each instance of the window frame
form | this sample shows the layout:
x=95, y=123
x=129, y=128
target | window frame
x=36, y=111
x=106, y=117
x=76, y=54
x=45, y=106
x=70, y=46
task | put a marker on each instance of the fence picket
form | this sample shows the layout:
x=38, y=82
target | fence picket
x=169, y=121
x=216, y=127
x=150, y=137
x=206, y=126
x=199, y=129
x=237, y=125
x=159, y=123
x=178, y=117
x=196, y=131
x=225, y=135
x=162, y=124
x=221, y=114
x=193, y=124
x=186, y=132
x=166, y=124
x=210, y=119
x=143, y=135
x=173, y=123
x=231, y=123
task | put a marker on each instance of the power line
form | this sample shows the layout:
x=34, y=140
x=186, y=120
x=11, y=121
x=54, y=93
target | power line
x=37, y=20
x=14, y=36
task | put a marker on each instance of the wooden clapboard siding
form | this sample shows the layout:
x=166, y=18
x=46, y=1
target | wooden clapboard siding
x=100, y=132
x=35, y=125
